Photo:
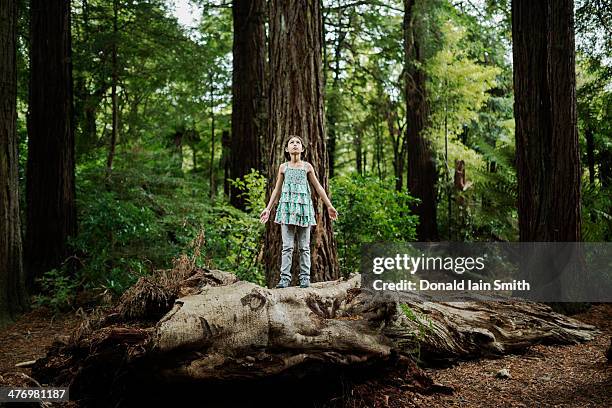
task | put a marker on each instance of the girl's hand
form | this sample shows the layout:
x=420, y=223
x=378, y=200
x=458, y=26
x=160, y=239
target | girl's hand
x=263, y=217
x=333, y=213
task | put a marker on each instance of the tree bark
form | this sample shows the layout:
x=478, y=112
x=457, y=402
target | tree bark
x=422, y=177
x=114, y=82
x=358, y=150
x=224, y=329
x=249, y=116
x=212, y=183
x=398, y=141
x=13, y=299
x=50, y=190
x=547, y=152
x=224, y=162
x=296, y=108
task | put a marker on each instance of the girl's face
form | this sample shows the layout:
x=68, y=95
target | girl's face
x=294, y=146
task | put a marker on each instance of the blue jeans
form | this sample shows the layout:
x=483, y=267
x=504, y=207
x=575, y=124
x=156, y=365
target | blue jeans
x=288, y=233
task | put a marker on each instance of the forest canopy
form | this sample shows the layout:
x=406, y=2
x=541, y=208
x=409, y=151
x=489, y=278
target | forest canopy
x=173, y=129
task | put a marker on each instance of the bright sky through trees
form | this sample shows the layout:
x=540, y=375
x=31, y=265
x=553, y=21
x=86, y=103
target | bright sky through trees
x=186, y=13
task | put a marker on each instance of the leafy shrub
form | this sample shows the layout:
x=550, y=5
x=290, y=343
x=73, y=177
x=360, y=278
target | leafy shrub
x=253, y=187
x=148, y=215
x=234, y=241
x=369, y=210
x=115, y=239
x=596, y=214
x=58, y=290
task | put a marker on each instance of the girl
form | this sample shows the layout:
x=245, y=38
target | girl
x=295, y=211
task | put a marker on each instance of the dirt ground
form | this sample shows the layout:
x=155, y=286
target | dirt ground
x=553, y=376
x=544, y=376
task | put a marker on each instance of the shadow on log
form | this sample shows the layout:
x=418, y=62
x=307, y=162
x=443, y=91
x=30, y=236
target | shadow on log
x=224, y=338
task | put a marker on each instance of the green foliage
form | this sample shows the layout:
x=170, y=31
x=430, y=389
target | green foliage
x=58, y=290
x=119, y=234
x=469, y=93
x=369, y=211
x=234, y=243
x=472, y=113
x=148, y=215
x=596, y=213
x=458, y=87
x=594, y=103
x=169, y=80
x=253, y=188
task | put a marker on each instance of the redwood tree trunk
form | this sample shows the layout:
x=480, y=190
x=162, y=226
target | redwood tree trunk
x=548, y=161
x=51, y=210
x=296, y=107
x=422, y=176
x=12, y=278
x=547, y=152
x=249, y=119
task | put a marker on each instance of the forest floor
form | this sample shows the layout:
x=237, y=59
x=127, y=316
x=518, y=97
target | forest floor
x=544, y=376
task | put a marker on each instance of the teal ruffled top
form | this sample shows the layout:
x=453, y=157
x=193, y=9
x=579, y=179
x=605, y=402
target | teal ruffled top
x=295, y=203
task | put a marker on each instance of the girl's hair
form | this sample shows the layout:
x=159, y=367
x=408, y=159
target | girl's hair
x=287, y=155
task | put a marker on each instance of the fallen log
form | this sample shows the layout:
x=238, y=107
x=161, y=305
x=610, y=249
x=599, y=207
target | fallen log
x=222, y=329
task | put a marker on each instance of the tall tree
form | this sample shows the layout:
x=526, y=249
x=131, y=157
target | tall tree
x=340, y=24
x=212, y=184
x=547, y=149
x=12, y=278
x=547, y=152
x=296, y=107
x=50, y=192
x=248, y=88
x=114, y=83
x=422, y=177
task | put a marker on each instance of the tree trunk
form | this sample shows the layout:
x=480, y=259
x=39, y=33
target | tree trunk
x=213, y=186
x=249, y=116
x=378, y=146
x=50, y=191
x=224, y=162
x=296, y=108
x=222, y=329
x=547, y=150
x=547, y=153
x=333, y=100
x=115, y=80
x=358, y=151
x=422, y=176
x=13, y=299
x=398, y=141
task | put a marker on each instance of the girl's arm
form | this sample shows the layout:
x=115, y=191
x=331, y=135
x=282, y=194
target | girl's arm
x=263, y=217
x=277, y=188
x=333, y=214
